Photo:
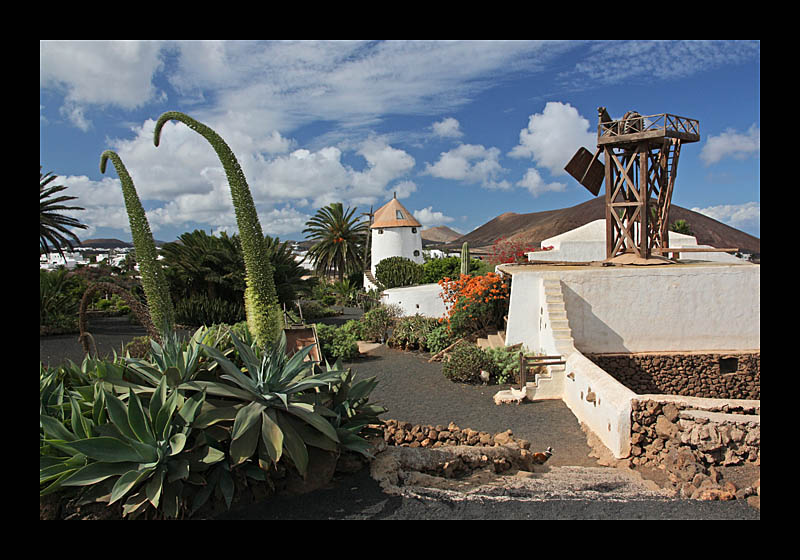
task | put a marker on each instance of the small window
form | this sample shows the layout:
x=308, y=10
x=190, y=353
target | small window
x=399, y=215
x=416, y=253
x=380, y=231
x=413, y=230
x=728, y=365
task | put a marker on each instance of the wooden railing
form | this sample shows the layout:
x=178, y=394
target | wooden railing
x=663, y=123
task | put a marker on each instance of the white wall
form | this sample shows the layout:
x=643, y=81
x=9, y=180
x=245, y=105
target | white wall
x=664, y=308
x=396, y=242
x=524, y=312
x=424, y=300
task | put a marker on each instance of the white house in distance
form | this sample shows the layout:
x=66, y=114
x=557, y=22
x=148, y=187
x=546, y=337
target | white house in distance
x=395, y=233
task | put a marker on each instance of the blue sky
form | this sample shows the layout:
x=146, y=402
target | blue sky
x=462, y=131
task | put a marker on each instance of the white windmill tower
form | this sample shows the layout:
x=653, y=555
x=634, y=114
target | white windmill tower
x=394, y=233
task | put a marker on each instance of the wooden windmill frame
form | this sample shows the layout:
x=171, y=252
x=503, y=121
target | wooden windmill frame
x=641, y=161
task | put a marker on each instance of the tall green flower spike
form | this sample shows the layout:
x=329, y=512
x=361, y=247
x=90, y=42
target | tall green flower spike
x=154, y=283
x=260, y=299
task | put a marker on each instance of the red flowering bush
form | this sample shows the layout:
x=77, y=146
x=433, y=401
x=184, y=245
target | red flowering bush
x=474, y=302
x=511, y=251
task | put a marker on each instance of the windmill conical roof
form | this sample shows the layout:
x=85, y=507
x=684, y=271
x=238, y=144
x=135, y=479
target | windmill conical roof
x=394, y=214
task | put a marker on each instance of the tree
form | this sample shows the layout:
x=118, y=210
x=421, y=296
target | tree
x=680, y=226
x=339, y=240
x=202, y=264
x=260, y=300
x=52, y=224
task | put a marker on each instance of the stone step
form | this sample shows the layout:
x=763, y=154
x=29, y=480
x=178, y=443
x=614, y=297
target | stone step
x=497, y=340
x=562, y=333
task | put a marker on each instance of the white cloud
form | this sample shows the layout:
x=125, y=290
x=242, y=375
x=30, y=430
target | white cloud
x=102, y=203
x=553, y=136
x=284, y=84
x=746, y=217
x=536, y=185
x=470, y=163
x=428, y=218
x=612, y=62
x=384, y=164
x=100, y=73
x=186, y=179
x=447, y=128
x=732, y=143
x=403, y=189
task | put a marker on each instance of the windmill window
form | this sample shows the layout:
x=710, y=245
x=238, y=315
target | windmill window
x=399, y=215
x=380, y=231
x=416, y=253
x=413, y=230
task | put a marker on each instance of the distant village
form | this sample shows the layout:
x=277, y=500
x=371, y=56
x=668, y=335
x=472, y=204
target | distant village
x=94, y=256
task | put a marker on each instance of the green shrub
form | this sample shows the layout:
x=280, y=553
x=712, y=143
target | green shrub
x=59, y=299
x=448, y=267
x=376, y=322
x=466, y=362
x=411, y=333
x=395, y=272
x=439, y=338
x=353, y=328
x=314, y=310
x=337, y=342
x=506, y=365
x=200, y=310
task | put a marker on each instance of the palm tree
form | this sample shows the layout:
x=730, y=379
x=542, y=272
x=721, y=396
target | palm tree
x=202, y=264
x=53, y=225
x=339, y=240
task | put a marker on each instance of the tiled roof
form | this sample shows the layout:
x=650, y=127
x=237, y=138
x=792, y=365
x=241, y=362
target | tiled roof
x=394, y=214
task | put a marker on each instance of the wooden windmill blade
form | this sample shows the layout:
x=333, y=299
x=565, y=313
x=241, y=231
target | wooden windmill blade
x=587, y=169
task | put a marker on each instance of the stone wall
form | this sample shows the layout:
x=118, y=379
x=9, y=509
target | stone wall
x=692, y=444
x=708, y=375
x=405, y=434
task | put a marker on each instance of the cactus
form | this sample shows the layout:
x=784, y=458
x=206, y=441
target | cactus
x=465, y=258
x=154, y=283
x=260, y=299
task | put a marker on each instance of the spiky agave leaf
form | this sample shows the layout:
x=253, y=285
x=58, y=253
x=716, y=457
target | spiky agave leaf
x=154, y=282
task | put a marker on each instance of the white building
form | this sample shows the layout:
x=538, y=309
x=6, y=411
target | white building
x=588, y=243
x=395, y=233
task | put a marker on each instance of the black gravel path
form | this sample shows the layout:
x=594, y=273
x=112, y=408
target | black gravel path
x=416, y=391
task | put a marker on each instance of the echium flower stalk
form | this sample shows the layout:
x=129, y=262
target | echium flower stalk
x=154, y=283
x=260, y=299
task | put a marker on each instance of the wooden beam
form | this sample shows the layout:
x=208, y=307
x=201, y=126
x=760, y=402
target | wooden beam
x=694, y=250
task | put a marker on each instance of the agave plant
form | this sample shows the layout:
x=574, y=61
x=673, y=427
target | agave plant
x=352, y=413
x=261, y=303
x=147, y=449
x=277, y=417
x=154, y=282
x=178, y=361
